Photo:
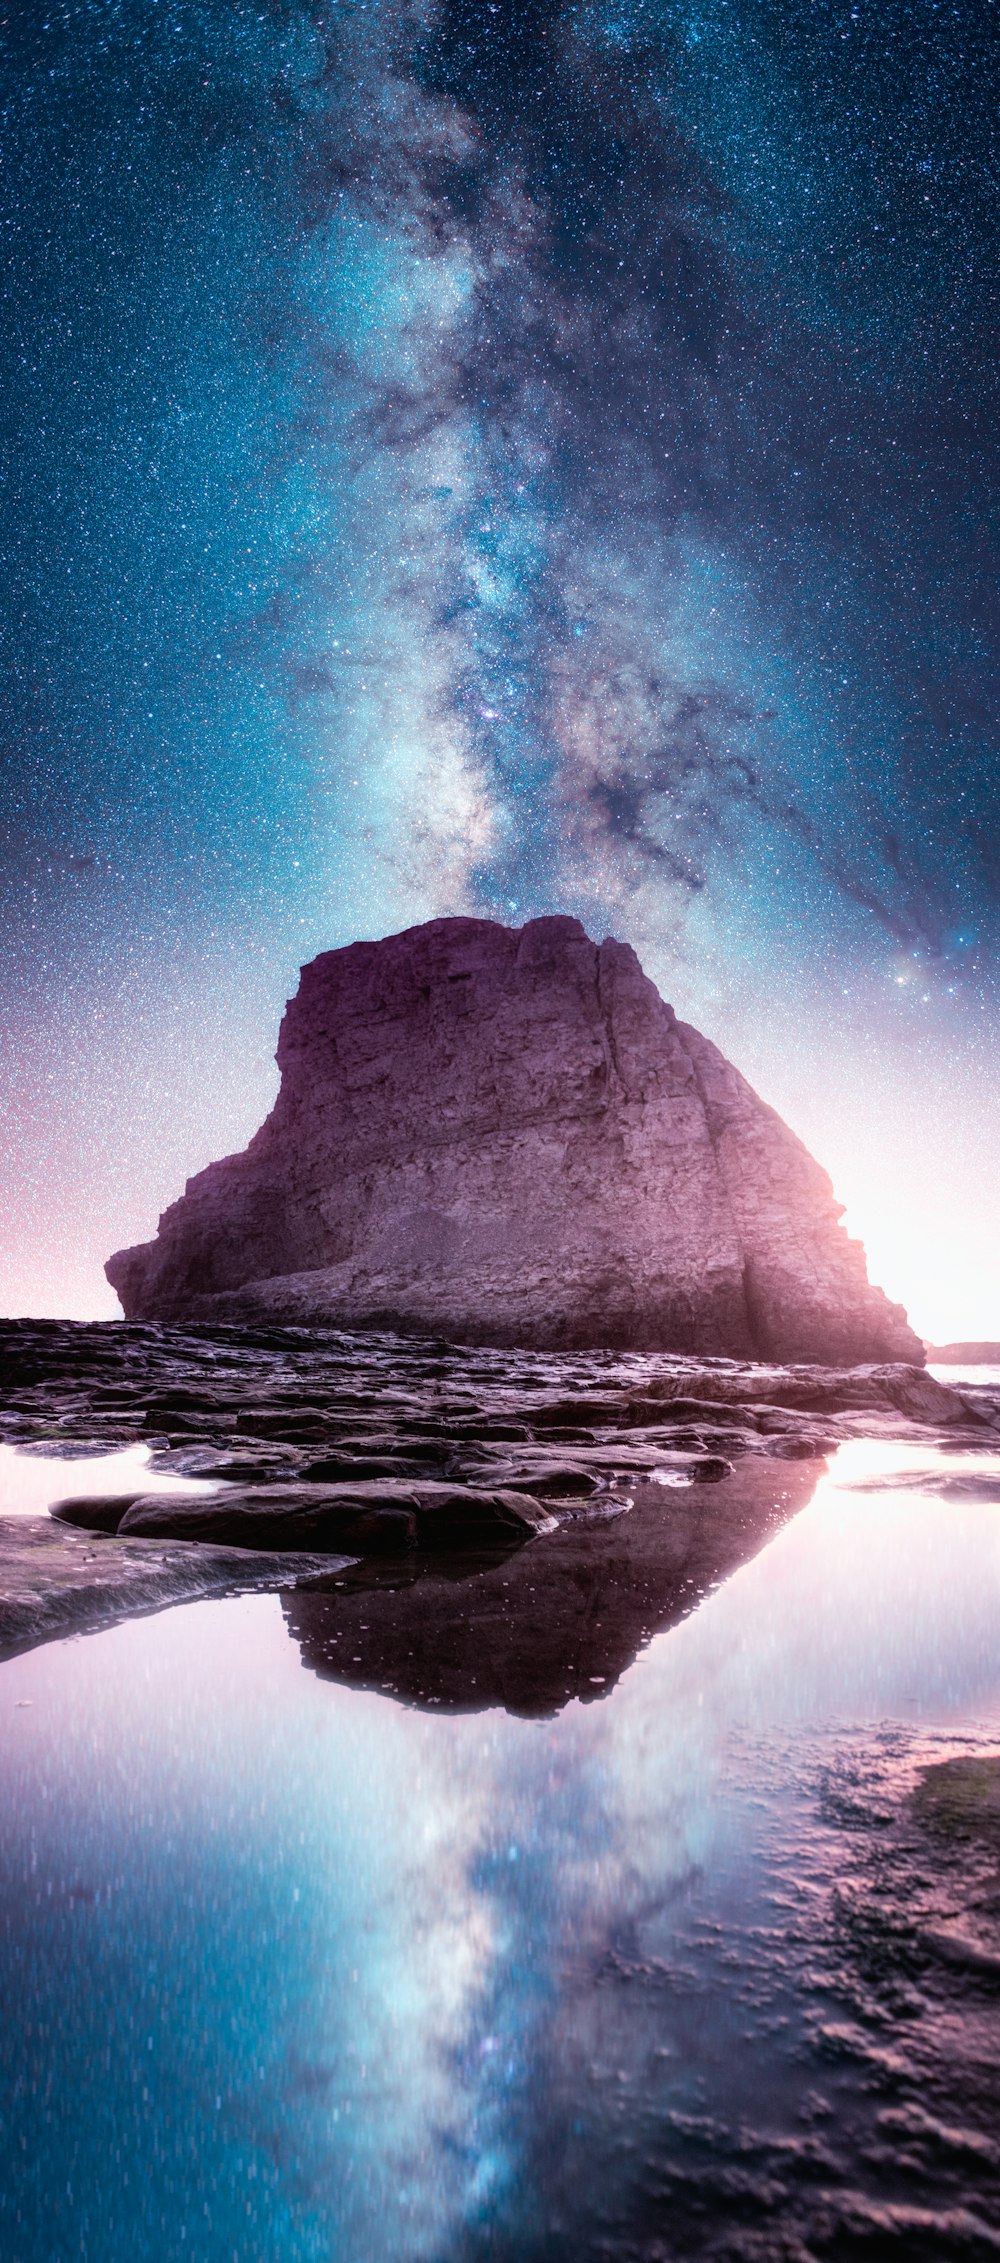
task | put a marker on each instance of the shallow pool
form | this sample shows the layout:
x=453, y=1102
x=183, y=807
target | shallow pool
x=295, y=1970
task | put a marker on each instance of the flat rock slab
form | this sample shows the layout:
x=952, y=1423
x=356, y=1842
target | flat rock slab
x=56, y=1580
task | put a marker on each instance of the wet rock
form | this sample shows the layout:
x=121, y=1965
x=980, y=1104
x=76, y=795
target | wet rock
x=802, y=1448
x=269, y=1465
x=970, y=1486
x=507, y=1136
x=95, y=1512
x=474, y=1418
x=583, y=1470
x=386, y=1396
x=642, y=1413
x=353, y=1468
x=180, y=1422
x=406, y=1447
x=569, y=1416
x=382, y=1516
x=490, y=1428
x=961, y=1798
x=287, y=1425
x=550, y=1480
x=920, y=1395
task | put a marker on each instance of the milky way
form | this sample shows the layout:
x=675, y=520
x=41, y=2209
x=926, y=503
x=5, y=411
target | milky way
x=501, y=458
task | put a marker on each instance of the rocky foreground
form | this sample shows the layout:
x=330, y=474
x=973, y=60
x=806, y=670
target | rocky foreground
x=506, y=1136
x=394, y=1484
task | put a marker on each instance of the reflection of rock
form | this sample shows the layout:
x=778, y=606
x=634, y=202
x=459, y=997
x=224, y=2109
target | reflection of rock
x=507, y=1137
x=563, y=1618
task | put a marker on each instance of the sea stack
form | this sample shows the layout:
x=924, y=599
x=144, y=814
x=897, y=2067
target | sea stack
x=504, y=1135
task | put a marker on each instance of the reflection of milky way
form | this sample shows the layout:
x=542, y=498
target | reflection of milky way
x=500, y=456
x=308, y=1972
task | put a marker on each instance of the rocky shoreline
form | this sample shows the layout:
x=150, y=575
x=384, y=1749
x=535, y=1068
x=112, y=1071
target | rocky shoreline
x=409, y=1465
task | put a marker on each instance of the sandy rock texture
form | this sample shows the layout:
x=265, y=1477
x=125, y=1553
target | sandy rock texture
x=505, y=1136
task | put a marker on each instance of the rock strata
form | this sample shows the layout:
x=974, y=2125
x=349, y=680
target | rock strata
x=506, y=1136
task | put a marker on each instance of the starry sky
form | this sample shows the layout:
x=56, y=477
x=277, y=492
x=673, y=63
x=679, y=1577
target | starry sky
x=500, y=457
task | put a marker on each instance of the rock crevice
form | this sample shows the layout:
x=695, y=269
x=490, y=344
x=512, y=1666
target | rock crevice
x=506, y=1136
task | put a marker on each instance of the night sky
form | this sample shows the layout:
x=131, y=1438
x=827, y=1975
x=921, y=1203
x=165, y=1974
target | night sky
x=501, y=458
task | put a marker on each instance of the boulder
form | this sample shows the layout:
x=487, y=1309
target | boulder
x=505, y=1136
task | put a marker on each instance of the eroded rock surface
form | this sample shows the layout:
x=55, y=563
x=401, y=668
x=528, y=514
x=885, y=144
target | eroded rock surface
x=265, y=1407
x=505, y=1136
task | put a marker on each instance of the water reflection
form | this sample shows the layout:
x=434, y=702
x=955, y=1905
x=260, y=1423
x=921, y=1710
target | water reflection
x=558, y=1620
x=32, y=1479
x=299, y=1972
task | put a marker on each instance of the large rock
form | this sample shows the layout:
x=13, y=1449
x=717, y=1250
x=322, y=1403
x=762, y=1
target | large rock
x=506, y=1136
x=377, y=1517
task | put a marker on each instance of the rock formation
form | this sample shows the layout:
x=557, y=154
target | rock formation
x=977, y=1354
x=505, y=1136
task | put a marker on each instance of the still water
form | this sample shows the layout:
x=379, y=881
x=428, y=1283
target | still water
x=32, y=1478
x=292, y=1970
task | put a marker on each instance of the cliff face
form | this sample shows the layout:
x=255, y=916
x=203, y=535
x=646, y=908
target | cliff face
x=505, y=1136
